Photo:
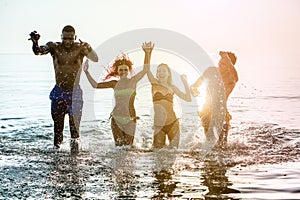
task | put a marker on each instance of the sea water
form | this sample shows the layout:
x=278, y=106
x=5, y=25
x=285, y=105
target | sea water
x=261, y=160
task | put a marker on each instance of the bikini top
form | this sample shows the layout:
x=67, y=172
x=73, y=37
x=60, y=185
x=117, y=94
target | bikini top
x=158, y=96
x=125, y=97
x=125, y=92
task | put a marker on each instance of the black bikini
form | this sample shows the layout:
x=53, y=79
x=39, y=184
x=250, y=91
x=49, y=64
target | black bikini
x=158, y=96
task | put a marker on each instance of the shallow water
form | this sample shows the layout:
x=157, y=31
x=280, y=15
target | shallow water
x=261, y=163
x=261, y=160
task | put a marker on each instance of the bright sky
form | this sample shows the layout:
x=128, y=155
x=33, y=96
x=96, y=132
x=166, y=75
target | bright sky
x=263, y=33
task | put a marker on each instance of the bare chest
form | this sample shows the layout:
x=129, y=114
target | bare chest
x=63, y=56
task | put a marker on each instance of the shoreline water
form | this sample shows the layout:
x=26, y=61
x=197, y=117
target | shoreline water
x=260, y=162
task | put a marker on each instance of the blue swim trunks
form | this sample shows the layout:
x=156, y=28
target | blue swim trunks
x=66, y=101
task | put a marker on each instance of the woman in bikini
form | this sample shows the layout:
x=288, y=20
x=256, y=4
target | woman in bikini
x=123, y=116
x=165, y=121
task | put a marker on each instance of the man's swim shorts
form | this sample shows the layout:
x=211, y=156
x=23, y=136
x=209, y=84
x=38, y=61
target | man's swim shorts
x=66, y=101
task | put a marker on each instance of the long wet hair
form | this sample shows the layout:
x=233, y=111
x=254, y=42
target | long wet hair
x=113, y=69
x=169, y=80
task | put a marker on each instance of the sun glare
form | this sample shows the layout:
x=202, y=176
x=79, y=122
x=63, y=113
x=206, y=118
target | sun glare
x=201, y=97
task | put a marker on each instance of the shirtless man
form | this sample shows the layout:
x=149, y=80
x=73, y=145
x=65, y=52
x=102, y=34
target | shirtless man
x=215, y=106
x=66, y=96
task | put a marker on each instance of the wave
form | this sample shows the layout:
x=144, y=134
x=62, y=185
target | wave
x=267, y=97
x=262, y=144
x=280, y=97
x=12, y=118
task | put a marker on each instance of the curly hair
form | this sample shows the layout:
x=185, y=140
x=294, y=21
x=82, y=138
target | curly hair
x=113, y=69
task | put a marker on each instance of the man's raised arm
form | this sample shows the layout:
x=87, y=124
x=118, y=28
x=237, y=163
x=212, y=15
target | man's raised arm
x=38, y=50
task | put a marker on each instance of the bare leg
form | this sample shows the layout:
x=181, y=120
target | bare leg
x=58, y=112
x=225, y=129
x=74, y=122
x=127, y=139
x=159, y=139
x=117, y=133
x=58, y=120
x=206, y=123
x=174, y=134
x=120, y=137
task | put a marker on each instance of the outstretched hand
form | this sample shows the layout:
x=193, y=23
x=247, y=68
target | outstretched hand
x=34, y=37
x=148, y=47
x=86, y=66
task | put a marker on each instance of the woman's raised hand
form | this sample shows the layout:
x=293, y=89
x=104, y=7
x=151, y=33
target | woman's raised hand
x=147, y=47
x=86, y=65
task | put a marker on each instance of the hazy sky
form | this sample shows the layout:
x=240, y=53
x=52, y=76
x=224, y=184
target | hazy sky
x=263, y=33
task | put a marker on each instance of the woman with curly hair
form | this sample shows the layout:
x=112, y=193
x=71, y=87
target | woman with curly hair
x=123, y=116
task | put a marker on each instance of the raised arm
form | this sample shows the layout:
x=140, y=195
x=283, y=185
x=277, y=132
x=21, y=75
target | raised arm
x=194, y=87
x=147, y=48
x=151, y=77
x=38, y=50
x=185, y=96
x=94, y=84
x=88, y=51
x=88, y=75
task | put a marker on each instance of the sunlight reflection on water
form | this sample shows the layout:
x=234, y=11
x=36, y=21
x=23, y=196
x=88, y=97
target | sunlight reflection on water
x=260, y=162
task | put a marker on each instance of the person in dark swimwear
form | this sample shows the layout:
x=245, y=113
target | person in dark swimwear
x=123, y=116
x=220, y=82
x=166, y=124
x=66, y=96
